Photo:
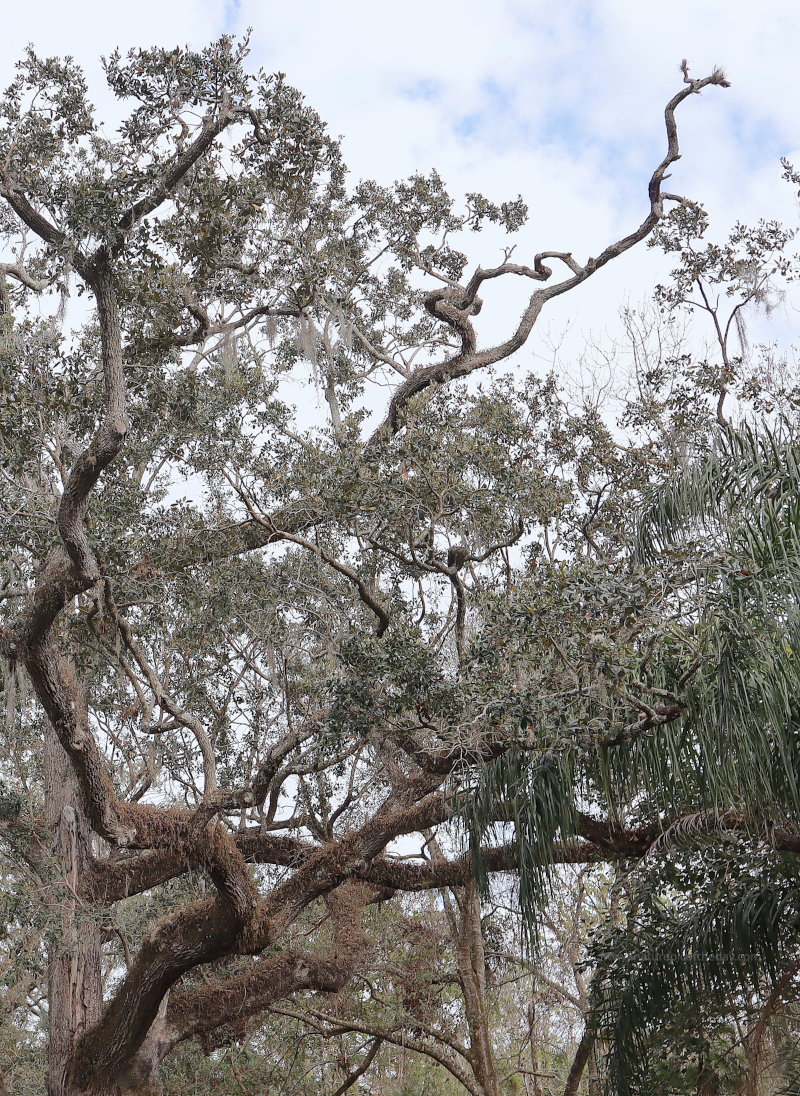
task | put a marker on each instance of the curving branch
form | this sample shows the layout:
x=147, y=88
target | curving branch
x=199, y=1011
x=199, y=934
x=365, y=593
x=360, y=1070
x=186, y=719
x=331, y=1025
x=72, y=566
x=21, y=275
x=38, y=223
x=454, y=305
x=597, y=842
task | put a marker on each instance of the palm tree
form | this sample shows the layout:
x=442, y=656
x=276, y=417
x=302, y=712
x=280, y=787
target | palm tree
x=696, y=989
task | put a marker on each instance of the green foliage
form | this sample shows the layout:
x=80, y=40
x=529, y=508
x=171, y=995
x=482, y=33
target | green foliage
x=452, y=608
x=711, y=932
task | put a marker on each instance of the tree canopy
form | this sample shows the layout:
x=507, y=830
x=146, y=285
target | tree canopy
x=307, y=613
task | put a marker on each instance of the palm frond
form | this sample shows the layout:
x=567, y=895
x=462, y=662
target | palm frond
x=740, y=507
x=746, y=484
x=536, y=799
x=681, y=966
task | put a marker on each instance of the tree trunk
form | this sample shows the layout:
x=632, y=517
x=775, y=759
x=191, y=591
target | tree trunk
x=472, y=968
x=533, y=1036
x=707, y=1079
x=595, y=1071
x=582, y=1056
x=74, y=980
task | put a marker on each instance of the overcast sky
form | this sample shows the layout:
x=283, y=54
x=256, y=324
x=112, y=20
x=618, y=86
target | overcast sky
x=562, y=102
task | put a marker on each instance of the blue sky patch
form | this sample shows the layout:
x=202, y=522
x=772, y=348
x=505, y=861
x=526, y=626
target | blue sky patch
x=468, y=125
x=759, y=137
x=497, y=115
x=231, y=15
x=427, y=90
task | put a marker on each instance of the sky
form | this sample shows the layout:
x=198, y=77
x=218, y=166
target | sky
x=561, y=102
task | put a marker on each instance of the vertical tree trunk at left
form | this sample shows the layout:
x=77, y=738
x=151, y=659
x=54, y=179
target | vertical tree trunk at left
x=74, y=981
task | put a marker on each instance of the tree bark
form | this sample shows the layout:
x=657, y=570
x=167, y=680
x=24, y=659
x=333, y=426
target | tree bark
x=582, y=1055
x=472, y=968
x=707, y=1080
x=533, y=1036
x=74, y=981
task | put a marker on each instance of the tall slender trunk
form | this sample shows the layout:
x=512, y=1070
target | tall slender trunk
x=533, y=1035
x=596, y=1070
x=472, y=968
x=74, y=981
x=708, y=1083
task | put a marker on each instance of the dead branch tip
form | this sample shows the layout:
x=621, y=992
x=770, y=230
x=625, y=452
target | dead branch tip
x=717, y=77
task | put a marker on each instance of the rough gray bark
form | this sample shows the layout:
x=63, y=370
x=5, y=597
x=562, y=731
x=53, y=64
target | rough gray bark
x=74, y=983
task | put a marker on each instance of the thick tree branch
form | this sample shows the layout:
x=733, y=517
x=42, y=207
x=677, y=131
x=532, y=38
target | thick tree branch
x=20, y=274
x=38, y=223
x=199, y=1011
x=579, y=1062
x=110, y=436
x=598, y=841
x=212, y=126
x=74, y=567
x=200, y=934
x=234, y=923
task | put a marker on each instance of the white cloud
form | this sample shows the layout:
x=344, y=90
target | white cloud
x=86, y=29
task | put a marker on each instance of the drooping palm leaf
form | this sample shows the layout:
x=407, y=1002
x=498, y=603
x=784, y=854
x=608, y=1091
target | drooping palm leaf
x=731, y=519
x=709, y=939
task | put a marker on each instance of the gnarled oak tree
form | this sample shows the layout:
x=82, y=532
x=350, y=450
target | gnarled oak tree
x=250, y=649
